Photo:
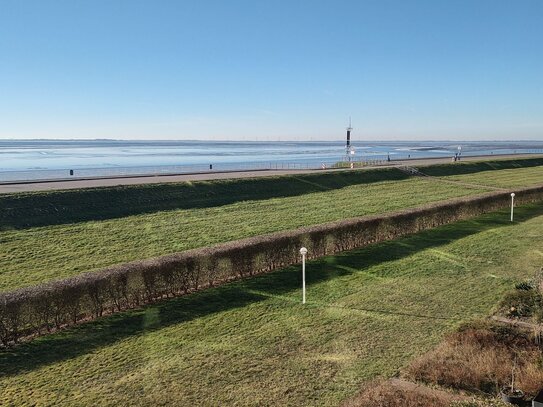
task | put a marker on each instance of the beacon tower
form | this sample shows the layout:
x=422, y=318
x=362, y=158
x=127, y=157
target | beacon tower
x=348, y=145
x=349, y=150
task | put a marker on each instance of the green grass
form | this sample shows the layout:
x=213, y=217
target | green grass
x=251, y=342
x=30, y=256
x=509, y=178
x=471, y=167
x=164, y=219
x=24, y=210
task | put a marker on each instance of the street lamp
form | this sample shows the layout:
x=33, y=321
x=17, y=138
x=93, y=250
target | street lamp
x=303, y=252
x=512, y=204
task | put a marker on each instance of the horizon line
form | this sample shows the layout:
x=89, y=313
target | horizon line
x=275, y=140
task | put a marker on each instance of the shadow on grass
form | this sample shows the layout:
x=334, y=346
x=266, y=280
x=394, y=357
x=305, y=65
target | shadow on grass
x=20, y=211
x=87, y=337
x=25, y=210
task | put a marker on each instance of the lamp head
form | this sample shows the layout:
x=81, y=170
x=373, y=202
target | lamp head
x=303, y=251
x=512, y=194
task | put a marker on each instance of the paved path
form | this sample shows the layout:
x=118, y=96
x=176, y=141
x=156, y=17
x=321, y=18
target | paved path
x=9, y=187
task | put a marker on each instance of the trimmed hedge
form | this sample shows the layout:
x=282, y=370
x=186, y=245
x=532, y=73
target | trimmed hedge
x=53, y=305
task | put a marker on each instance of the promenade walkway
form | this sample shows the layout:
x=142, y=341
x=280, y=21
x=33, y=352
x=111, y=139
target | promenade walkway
x=11, y=187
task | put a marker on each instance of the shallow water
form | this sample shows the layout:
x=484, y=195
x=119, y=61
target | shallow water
x=44, y=159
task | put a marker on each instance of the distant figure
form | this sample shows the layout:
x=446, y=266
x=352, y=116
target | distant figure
x=409, y=156
x=388, y=157
x=210, y=166
x=323, y=166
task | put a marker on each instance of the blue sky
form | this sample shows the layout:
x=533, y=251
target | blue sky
x=273, y=70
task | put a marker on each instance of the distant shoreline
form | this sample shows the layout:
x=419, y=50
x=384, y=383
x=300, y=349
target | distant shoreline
x=94, y=182
x=271, y=140
x=43, y=160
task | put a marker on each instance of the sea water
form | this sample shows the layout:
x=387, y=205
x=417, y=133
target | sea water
x=49, y=159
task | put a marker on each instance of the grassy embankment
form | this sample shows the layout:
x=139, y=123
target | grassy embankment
x=53, y=235
x=251, y=342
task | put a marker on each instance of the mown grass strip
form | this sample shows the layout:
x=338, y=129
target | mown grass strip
x=24, y=210
x=472, y=167
x=508, y=178
x=252, y=342
x=31, y=256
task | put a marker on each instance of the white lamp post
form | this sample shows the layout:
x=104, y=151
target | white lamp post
x=512, y=204
x=303, y=252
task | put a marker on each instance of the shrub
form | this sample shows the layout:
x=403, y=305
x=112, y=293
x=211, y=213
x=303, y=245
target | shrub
x=538, y=279
x=382, y=393
x=395, y=393
x=522, y=303
x=525, y=285
x=480, y=358
x=480, y=403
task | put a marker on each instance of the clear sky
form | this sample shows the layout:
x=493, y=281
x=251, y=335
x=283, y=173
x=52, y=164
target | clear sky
x=231, y=69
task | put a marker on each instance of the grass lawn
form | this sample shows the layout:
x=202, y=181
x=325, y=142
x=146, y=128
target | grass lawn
x=471, y=167
x=509, y=178
x=251, y=342
x=33, y=255
x=70, y=244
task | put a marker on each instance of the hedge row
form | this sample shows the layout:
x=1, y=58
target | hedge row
x=39, y=309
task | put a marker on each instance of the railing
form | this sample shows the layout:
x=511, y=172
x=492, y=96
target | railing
x=143, y=171
x=157, y=170
x=113, y=172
